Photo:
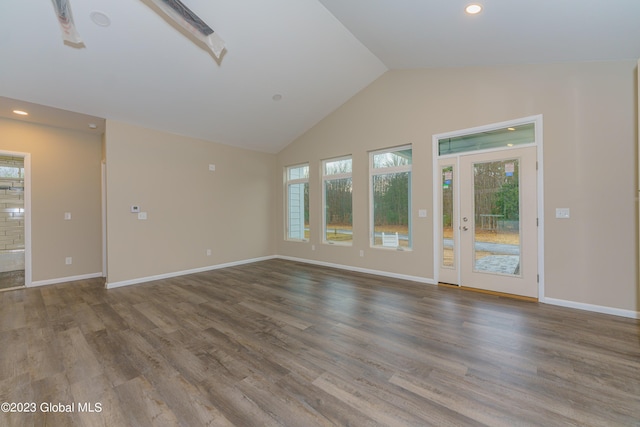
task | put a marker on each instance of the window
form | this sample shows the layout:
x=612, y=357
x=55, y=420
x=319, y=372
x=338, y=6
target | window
x=390, y=180
x=336, y=199
x=297, y=196
x=495, y=138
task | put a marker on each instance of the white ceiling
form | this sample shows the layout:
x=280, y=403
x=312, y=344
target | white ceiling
x=315, y=53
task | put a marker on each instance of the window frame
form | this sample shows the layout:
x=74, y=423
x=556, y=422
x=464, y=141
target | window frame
x=335, y=177
x=287, y=183
x=373, y=171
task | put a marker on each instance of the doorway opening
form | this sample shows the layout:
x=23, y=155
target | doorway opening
x=488, y=201
x=12, y=221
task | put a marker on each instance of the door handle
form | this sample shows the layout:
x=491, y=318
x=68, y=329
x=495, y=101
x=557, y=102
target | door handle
x=465, y=228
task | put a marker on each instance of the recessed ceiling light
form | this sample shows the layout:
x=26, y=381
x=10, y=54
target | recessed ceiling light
x=100, y=18
x=20, y=112
x=472, y=9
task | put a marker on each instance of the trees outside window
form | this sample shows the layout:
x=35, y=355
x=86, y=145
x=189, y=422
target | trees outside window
x=337, y=200
x=390, y=178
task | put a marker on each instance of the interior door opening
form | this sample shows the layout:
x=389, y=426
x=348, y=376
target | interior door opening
x=12, y=221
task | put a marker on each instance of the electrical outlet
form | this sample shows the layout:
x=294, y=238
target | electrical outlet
x=313, y=247
x=208, y=252
x=361, y=252
x=142, y=215
x=212, y=167
x=67, y=216
x=68, y=260
x=563, y=213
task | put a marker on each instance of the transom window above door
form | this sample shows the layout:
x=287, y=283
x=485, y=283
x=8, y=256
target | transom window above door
x=490, y=139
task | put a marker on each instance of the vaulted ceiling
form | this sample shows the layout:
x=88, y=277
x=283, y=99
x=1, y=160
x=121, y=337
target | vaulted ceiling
x=288, y=63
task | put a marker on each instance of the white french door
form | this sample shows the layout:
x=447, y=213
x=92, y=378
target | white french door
x=488, y=226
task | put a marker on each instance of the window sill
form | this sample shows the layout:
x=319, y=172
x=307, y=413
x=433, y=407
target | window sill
x=330, y=243
x=397, y=249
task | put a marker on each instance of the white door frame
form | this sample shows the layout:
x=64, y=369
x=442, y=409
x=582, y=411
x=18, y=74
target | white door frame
x=437, y=238
x=27, y=211
x=103, y=189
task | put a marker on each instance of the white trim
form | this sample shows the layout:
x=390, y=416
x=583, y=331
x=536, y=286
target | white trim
x=539, y=135
x=28, y=266
x=593, y=308
x=103, y=169
x=361, y=270
x=437, y=208
x=64, y=279
x=184, y=272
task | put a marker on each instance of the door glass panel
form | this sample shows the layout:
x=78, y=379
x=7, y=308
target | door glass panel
x=496, y=245
x=448, y=252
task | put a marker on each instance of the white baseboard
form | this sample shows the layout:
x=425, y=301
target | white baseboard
x=563, y=303
x=63, y=280
x=362, y=270
x=591, y=307
x=552, y=301
x=113, y=285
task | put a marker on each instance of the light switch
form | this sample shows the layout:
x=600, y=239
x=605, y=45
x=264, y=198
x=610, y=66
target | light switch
x=563, y=213
x=422, y=213
x=67, y=216
x=142, y=215
x=212, y=167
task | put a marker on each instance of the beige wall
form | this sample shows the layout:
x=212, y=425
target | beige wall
x=589, y=166
x=190, y=209
x=65, y=177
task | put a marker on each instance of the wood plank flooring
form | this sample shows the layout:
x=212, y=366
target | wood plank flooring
x=284, y=343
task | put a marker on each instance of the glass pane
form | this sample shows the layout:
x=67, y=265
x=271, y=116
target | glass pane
x=298, y=211
x=391, y=209
x=337, y=167
x=497, y=217
x=391, y=159
x=505, y=137
x=447, y=217
x=338, y=214
x=11, y=172
x=298, y=172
